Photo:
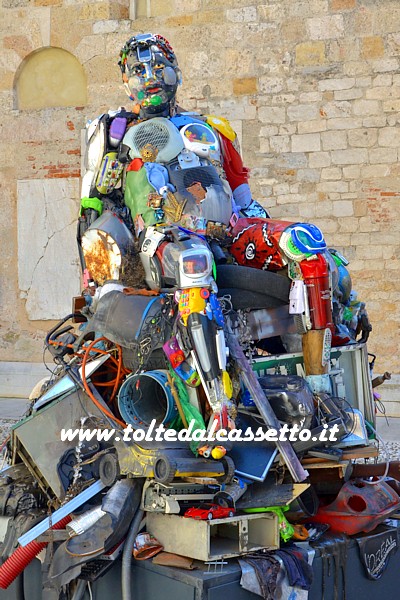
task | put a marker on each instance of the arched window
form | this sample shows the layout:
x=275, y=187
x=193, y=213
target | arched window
x=50, y=77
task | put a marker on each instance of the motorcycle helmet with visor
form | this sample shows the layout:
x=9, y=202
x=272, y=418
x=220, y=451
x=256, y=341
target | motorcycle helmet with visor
x=150, y=73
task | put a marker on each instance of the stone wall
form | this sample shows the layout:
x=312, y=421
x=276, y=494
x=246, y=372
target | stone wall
x=312, y=87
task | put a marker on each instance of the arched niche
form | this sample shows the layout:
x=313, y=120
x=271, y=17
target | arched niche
x=50, y=77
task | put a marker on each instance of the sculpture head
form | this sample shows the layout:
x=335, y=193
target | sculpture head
x=150, y=74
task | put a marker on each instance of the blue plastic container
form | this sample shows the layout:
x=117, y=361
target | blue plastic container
x=147, y=396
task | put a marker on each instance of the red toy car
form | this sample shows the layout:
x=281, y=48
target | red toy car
x=207, y=512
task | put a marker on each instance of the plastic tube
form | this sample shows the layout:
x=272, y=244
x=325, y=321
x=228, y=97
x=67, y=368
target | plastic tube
x=127, y=555
x=22, y=556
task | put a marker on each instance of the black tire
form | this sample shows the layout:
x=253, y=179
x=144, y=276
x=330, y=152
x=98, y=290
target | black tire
x=230, y=514
x=229, y=469
x=164, y=469
x=109, y=470
x=267, y=283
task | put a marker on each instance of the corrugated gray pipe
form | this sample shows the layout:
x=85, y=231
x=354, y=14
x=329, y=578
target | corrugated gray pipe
x=127, y=555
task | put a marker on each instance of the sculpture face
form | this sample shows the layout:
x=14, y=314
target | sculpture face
x=150, y=73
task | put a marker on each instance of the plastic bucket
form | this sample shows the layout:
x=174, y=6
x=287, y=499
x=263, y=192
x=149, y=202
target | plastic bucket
x=146, y=396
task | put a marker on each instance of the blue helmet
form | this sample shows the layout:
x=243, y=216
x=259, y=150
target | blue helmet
x=307, y=238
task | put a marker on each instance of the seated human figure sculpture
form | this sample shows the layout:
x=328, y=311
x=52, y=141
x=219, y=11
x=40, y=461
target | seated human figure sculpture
x=158, y=165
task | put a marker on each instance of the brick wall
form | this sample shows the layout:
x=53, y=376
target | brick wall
x=312, y=87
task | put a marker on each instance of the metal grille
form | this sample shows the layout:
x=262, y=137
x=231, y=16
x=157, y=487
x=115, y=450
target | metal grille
x=149, y=132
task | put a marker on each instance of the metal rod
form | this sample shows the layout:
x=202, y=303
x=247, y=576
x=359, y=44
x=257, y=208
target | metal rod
x=293, y=464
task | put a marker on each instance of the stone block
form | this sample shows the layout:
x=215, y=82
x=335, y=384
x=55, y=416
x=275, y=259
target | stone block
x=283, y=99
x=293, y=30
x=342, y=4
x=264, y=145
x=345, y=123
x=341, y=208
x=160, y=8
x=391, y=106
x=336, y=110
x=207, y=17
x=268, y=130
x=383, y=155
x=348, y=94
x=271, y=85
x=366, y=107
x=310, y=54
x=271, y=12
x=109, y=26
x=287, y=129
x=97, y=11
x=366, y=224
x=356, y=68
x=306, y=97
x=308, y=175
x=302, y=112
x=308, y=142
x=281, y=188
x=362, y=138
x=48, y=266
x=372, y=47
x=324, y=28
x=244, y=14
x=385, y=65
x=383, y=93
x=360, y=239
x=334, y=140
x=244, y=86
x=280, y=143
x=179, y=21
x=344, y=83
x=351, y=172
x=311, y=126
x=319, y=159
x=348, y=224
x=389, y=136
x=272, y=114
x=363, y=81
x=360, y=206
x=331, y=173
x=375, y=121
x=378, y=170
x=289, y=199
x=342, y=50
x=349, y=157
x=384, y=80
x=47, y=3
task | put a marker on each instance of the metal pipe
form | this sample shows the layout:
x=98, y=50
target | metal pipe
x=293, y=464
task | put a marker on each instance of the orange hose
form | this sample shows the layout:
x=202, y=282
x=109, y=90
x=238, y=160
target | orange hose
x=86, y=386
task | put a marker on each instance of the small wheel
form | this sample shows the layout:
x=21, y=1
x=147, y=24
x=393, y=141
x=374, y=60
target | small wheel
x=210, y=516
x=109, y=469
x=229, y=469
x=230, y=514
x=164, y=469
